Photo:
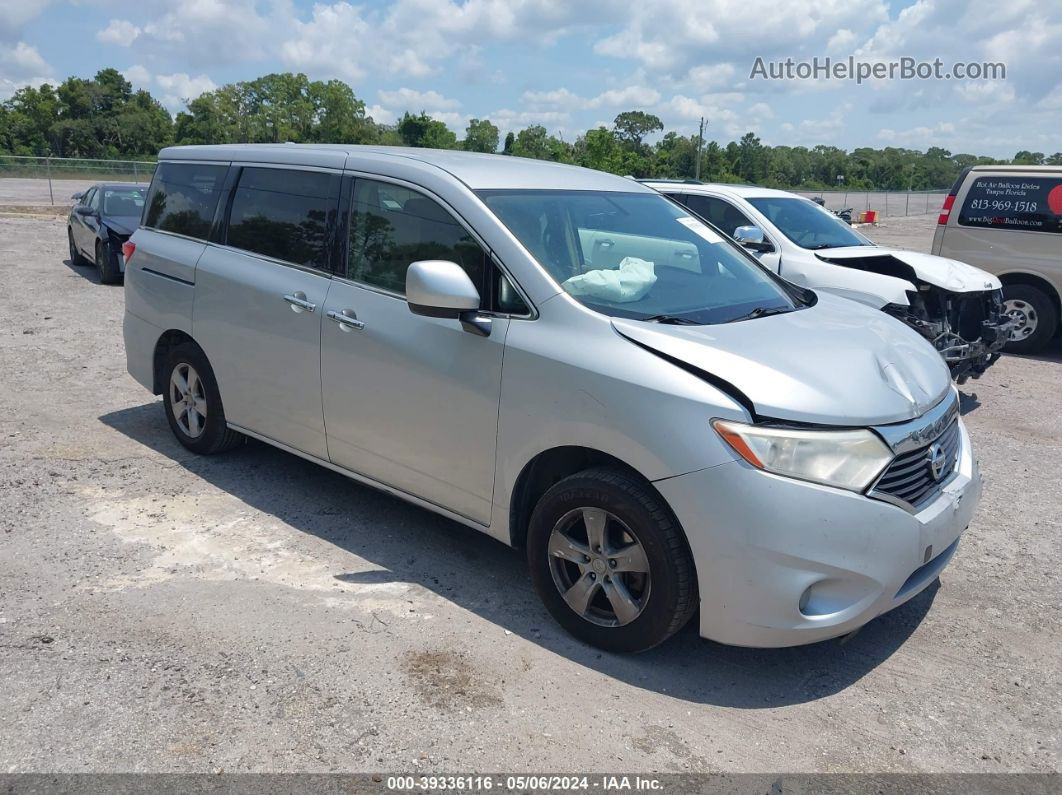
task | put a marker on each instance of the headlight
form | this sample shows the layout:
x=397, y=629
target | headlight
x=846, y=459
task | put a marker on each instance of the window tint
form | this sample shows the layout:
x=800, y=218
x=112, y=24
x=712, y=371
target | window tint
x=1014, y=202
x=392, y=226
x=89, y=197
x=183, y=197
x=286, y=214
x=718, y=212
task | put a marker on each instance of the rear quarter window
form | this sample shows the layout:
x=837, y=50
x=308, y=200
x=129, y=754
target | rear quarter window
x=183, y=197
x=1032, y=204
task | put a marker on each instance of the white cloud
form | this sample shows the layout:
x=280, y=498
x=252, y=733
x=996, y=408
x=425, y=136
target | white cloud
x=16, y=13
x=633, y=96
x=411, y=99
x=179, y=87
x=380, y=114
x=120, y=31
x=137, y=75
x=557, y=98
x=21, y=65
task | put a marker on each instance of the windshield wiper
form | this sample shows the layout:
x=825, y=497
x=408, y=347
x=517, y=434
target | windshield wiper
x=761, y=311
x=673, y=320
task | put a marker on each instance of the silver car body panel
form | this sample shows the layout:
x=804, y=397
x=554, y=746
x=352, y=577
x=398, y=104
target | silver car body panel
x=450, y=420
x=879, y=372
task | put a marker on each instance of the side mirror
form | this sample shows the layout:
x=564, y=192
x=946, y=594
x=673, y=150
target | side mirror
x=751, y=237
x=84, y=210
x=437, y=288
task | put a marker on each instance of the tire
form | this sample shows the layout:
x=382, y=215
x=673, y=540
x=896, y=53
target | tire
x=107, y=263
x=1038, y=316
x=661, y=599
x=75, y=255
x=198, y=424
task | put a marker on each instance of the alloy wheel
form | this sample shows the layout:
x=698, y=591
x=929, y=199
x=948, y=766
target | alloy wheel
x=188, y=400
x=599, y=567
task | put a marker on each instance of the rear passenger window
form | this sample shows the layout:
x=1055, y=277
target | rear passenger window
x=285, y=214
x=1014, y=202
x=183, y=198
x=392, y=227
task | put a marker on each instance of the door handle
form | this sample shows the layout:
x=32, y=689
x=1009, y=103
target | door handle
x=299, y=303
x=346, y=319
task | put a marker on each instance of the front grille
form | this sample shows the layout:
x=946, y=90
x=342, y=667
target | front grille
x=910, y=477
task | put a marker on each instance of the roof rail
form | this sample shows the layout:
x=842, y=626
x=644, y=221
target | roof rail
x=673, y=181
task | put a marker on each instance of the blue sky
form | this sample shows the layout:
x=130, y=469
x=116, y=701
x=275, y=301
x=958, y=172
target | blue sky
x=569, y=64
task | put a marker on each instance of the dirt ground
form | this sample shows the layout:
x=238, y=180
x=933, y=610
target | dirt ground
x=252, y=611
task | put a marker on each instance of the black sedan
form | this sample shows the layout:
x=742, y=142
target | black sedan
x=102, y=219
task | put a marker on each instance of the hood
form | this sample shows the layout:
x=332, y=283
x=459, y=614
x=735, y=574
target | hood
x=949, y=274
x=122, y=224
x=834, y=363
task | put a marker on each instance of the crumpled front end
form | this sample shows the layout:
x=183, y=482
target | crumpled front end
x=968, y=329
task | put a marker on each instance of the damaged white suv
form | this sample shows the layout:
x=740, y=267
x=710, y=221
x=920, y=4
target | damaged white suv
x=957, y=307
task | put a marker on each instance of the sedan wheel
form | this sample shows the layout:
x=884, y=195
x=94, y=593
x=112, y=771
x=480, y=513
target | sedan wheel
x=188, y=400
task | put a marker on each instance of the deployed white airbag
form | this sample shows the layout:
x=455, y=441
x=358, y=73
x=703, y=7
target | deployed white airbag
x=630, y=282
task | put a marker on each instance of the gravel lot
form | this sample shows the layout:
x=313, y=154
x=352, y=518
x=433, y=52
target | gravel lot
x=164, y=612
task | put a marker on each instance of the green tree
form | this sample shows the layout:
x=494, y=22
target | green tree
x=480, y=136
x=510, y=139
x=536, y=143
x=633, y=125
x=423, y=130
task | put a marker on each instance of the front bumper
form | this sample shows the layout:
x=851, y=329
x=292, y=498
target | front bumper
x=781, y=562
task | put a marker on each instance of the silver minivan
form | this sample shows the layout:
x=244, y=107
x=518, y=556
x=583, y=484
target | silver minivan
x=1008, y=220
x=567, y=361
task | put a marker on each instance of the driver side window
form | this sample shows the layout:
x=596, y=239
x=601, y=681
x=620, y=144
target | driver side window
x=94, y=200
x=718, y=212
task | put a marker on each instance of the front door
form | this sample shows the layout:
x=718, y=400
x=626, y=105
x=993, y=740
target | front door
x=259, y=303
x=410, y=401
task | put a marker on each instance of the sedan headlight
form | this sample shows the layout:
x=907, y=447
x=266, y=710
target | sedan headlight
x=846, y=459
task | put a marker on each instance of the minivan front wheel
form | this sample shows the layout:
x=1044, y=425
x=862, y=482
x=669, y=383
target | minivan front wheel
x=193, y=403
x=1035, y=316
x=610, y=562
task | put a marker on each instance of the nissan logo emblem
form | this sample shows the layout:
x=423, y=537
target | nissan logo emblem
x=938, y=461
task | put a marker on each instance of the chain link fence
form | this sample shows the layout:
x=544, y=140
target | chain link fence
x=53, y=180
x=888, y=203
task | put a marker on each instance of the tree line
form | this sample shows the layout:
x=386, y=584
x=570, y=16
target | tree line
x=105, y=118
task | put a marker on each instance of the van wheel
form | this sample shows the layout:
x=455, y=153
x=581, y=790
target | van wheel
x=75, y=255
x=1036, y=315
x=610, y=562
x=193, y=403
x=107, y=264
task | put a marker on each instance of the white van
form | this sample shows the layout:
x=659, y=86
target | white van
x=1008, y=220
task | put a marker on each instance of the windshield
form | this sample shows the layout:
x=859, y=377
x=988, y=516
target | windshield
x=638, y=255
x=807, y=224
x=123, y=201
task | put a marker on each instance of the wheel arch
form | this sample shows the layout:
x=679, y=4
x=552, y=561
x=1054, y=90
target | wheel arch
x=549, y=467
x=166, y=342
x=1033, y=280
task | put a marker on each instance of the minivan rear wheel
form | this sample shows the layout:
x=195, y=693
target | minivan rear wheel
x=1036, y=316
x=193, y=403
x=610, y=562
